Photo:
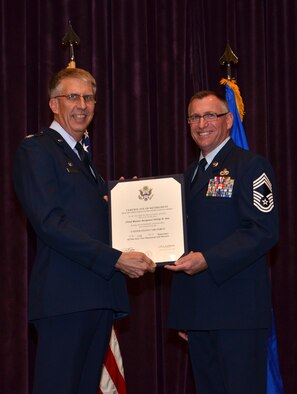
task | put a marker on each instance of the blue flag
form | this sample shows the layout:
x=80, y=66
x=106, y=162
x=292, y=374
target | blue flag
x=237, y=131
x=274, y=379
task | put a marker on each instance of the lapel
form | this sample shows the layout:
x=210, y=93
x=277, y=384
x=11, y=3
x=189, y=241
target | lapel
x=212, y=170
x=71, y=155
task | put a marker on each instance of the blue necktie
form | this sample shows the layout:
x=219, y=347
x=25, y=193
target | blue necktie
x=84, y=157
x=201, y=168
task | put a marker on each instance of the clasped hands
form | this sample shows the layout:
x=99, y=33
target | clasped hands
x=136, y=264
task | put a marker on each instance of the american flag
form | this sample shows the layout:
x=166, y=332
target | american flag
x=112, y=378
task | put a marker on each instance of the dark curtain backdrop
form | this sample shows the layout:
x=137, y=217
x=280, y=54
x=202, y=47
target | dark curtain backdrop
x=148, y=57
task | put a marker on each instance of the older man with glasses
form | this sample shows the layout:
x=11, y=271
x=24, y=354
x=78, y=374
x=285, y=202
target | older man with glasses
x=77, y=286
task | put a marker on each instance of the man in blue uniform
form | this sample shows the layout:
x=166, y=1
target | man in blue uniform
x=221, y=299
x=77, y=286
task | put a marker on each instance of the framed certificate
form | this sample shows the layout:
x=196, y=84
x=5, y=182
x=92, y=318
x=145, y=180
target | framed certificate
x=148, y=215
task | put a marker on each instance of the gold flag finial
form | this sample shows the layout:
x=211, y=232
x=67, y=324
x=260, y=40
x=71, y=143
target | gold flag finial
x=227, y=58
x=71, y=38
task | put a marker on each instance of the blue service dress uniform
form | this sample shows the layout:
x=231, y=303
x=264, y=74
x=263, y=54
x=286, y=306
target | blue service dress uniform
x=232, y=219
x=74, y=267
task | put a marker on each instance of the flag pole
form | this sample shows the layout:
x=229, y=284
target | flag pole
x=71, y=38
x=233, y=98
x=112, y=375
x=235, y=103
x=227, y=58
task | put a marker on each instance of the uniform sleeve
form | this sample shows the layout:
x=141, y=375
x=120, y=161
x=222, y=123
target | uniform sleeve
x=257, y=233
x=36, y=184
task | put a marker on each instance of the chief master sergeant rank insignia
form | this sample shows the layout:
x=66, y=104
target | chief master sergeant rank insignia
x=262, y=194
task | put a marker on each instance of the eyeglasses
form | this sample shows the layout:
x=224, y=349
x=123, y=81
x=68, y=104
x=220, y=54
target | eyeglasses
x=75, y=97
x=208, y=117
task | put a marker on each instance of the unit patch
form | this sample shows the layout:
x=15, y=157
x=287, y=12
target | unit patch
x=262, y=194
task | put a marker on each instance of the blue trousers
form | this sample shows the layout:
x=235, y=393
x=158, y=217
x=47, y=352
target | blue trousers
x=70, y=352
x=229, y=361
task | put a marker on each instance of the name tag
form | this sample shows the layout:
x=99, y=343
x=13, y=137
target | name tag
x=220, y=186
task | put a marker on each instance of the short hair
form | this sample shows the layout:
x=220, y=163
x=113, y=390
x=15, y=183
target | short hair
x=205, y=93
x=65, y=73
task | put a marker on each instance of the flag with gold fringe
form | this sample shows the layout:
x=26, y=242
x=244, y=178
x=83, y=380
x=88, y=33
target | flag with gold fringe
x=236, y=106
x=235, y=103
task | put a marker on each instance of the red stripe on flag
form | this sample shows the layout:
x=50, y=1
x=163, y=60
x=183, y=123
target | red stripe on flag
x=114, y=372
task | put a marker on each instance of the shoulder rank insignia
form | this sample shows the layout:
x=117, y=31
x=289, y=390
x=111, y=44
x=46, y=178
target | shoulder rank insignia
x=262, y=193
x=225, y=172
x=34, y=135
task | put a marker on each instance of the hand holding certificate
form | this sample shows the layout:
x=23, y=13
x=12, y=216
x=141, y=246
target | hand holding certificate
x=147, y=215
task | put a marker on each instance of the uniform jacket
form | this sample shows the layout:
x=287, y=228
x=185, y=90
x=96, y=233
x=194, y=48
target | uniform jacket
x=234, y=227
x=74, y=267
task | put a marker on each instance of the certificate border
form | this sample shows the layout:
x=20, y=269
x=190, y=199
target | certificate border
x=179, y=178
